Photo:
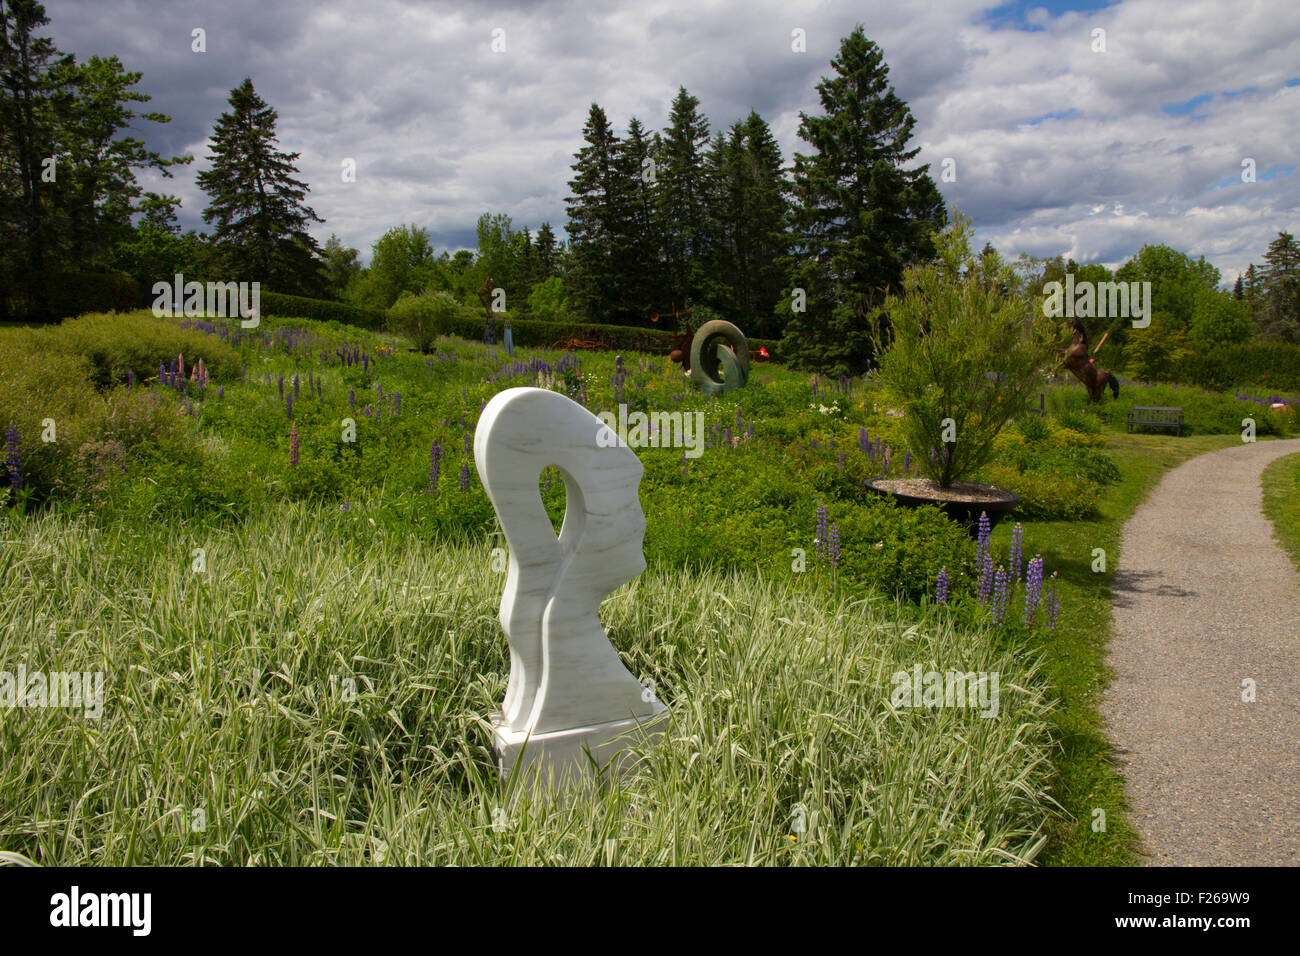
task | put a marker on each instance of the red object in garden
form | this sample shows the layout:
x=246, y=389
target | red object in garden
x=761, y=355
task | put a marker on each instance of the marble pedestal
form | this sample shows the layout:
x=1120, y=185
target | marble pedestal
x=578, y=756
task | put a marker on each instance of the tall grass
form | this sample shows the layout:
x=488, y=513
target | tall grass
x=230, y=734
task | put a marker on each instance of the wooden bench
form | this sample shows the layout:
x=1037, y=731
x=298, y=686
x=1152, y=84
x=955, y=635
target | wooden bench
x=1155, y=416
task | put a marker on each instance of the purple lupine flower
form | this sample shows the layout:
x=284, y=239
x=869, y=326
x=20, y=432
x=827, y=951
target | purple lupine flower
x=464, y=477
x=548, y=479
x=1017, y=558
x=14, y=458
x=1033, y=589
x=282, y=387
x=727, y=437
x=352, y=399
x=984, y=559
x=221, y=391
x=130, y=379
x=863, y=438
x=288, y=405
x=293, y=446
x=907, y=462
x=1053, y=604
x=397, y=403
x=750, y=433
x=435, y=465
x=833, y=546
x=295, y=386
x=469, y=443
x=1000, y=596
x=941, y=587
x=823, y=529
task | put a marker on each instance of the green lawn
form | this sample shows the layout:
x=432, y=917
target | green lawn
x=1281, y=488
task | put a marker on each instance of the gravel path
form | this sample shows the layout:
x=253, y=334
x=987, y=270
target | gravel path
x=1205, y=598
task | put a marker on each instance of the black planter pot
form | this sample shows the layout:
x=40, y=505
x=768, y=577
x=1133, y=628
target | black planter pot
x=965, y=513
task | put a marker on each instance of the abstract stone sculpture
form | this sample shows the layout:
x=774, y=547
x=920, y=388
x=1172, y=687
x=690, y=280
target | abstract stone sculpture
x=570, y=700
x=719, y=358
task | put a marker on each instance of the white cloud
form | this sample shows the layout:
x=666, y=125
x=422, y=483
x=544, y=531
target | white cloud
x=443, y=129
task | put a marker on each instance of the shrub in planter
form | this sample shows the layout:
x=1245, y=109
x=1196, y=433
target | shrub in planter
x=963, y=351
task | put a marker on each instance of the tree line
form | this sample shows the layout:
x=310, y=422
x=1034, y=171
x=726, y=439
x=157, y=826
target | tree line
x=679, y=218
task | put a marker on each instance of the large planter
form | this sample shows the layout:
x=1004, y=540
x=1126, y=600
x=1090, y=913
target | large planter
x=964, y=502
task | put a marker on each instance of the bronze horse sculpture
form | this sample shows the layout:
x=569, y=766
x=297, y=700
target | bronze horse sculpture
x=1083, y=365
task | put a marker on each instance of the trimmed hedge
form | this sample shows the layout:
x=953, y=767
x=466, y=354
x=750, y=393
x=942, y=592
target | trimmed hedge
x=1273, y=365
x=534, y=333
x=300, y=307
x=468, y=324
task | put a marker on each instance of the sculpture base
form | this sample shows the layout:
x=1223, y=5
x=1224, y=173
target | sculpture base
x=563, y=759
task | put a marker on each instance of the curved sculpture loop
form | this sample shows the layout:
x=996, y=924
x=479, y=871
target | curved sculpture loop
x=719, y=357
x=569, y=694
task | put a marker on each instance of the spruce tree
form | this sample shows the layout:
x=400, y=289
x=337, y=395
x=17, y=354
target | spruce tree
x=1278, y=314
x=593, y=228
x=860, y=215
x=637, y=249
x=257, y=206
x=749, y=210
x=548, y=257
x=683, y=186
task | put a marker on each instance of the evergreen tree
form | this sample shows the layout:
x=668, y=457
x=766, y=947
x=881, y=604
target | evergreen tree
x=548, y=256
x=1277, y=313
x=97, y=187
x=636, y=251
x=682, y=193
x=860, y=216
x=593, y=227
x=257, y=206
x=748, y=210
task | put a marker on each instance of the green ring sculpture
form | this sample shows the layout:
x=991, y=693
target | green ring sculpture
x=719, y=357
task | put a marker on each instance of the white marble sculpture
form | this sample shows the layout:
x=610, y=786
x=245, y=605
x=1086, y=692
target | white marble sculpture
x=569, y=694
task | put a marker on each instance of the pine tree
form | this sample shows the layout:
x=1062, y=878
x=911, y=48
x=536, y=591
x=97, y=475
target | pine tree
x=637, y=250
x=548, y=256
x=593, y=229
x=682, y=193
x=1278, y=304
x=860, y=216
x=748, y=209
x=257, y=206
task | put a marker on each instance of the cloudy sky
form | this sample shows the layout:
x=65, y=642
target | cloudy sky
x=1062, y=140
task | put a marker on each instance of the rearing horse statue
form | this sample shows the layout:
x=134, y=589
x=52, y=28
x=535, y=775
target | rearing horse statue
x=1078, y=361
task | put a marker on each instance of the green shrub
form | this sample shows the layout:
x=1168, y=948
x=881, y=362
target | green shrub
x=115, y=344
x=1044, y=494
x=1079, y=420
x=963, y=355
x=420, y=317
x=548, y=300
